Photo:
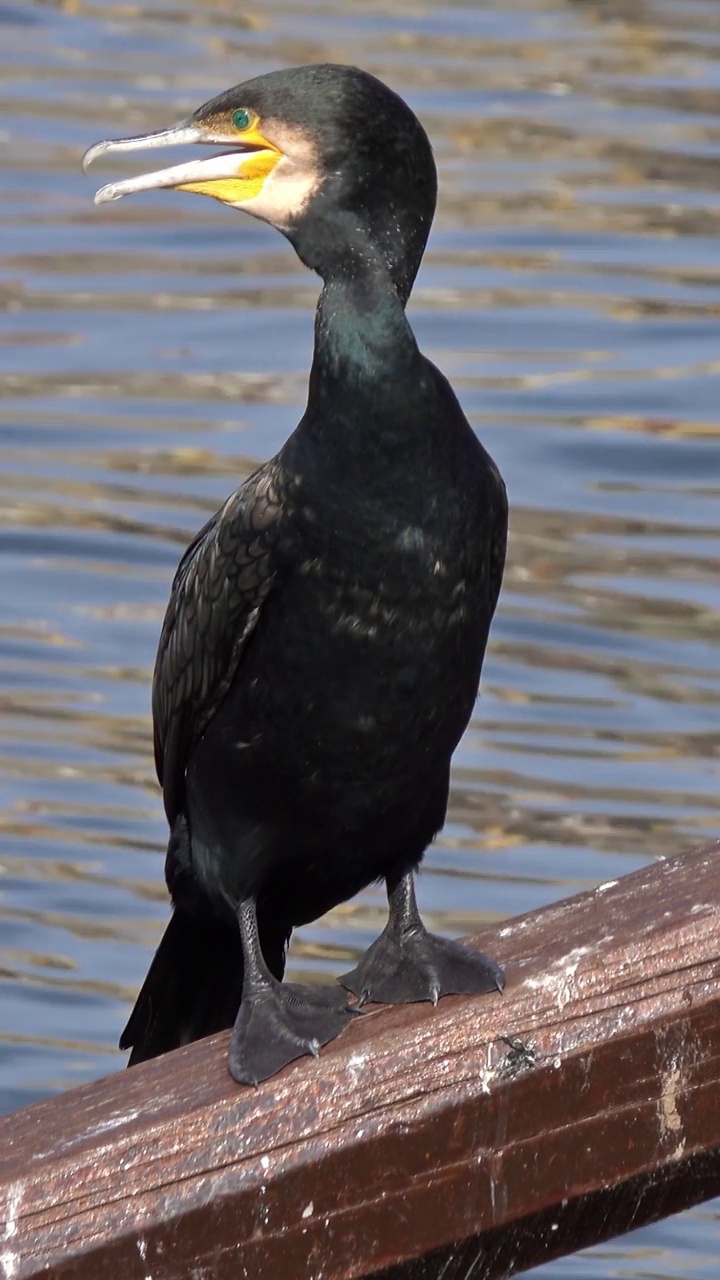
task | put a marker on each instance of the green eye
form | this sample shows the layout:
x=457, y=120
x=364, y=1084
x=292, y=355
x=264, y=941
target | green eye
x=241, y=118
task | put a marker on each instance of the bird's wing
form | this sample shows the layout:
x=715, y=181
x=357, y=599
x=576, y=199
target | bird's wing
x=217, y=594
x=498, y=544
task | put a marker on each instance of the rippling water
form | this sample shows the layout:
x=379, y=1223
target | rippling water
x=151, y=352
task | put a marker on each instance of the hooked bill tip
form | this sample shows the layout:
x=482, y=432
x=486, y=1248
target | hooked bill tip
x=92, y=153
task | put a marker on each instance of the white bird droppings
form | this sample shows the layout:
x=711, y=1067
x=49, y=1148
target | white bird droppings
x=603, y=888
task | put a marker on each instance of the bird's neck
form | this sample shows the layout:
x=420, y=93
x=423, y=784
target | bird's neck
x=377, y=247
x=362, y=335
x=364, y=346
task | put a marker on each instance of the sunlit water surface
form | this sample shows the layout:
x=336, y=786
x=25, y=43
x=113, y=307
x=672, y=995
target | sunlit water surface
x=151, y=352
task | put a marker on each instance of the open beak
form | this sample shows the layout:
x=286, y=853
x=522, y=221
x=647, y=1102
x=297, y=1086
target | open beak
x=199, y=175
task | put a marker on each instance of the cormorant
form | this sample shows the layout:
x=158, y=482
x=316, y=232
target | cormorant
x=322, y=648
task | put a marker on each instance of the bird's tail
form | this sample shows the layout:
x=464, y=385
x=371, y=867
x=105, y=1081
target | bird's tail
x=194, y=985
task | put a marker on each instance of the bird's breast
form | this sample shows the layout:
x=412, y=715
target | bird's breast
x=364, y=668
x=397, y=592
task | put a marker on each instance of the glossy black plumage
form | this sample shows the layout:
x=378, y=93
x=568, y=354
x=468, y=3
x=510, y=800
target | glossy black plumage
x=322, y=648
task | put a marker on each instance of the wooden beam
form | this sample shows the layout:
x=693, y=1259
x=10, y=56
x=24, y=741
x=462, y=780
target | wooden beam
x=471, y=1140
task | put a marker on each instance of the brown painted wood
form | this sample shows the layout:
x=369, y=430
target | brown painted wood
x=421, y=1144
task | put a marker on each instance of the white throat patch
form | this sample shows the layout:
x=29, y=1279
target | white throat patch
x=287, y=191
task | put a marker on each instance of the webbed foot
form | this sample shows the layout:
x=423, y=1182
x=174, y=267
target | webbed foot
x=406, y=963
x=280, y=1021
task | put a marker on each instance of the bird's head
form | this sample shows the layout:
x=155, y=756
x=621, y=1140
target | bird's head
x=298, y=148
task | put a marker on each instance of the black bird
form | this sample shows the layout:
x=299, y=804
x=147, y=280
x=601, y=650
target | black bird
x=321, y=652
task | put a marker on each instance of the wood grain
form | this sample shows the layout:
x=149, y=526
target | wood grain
x=421, y=1143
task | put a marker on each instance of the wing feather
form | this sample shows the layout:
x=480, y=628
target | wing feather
x=221, y=583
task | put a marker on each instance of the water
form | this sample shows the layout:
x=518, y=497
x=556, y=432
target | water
x=152, y=351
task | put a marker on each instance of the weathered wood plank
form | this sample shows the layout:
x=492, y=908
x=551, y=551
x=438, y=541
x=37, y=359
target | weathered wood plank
x=421, y=1143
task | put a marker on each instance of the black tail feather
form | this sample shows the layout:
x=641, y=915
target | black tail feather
x=194, y=985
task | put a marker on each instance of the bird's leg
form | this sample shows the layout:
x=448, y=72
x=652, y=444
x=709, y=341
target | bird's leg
x=407, y=963
x=277, y=1021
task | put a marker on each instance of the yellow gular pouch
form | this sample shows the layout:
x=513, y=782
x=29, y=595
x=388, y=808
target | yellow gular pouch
x=252, y=173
